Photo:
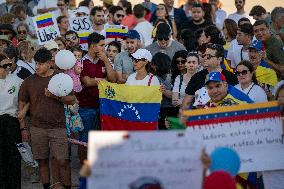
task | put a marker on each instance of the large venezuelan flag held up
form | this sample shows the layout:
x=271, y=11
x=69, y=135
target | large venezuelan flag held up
x=126, y=107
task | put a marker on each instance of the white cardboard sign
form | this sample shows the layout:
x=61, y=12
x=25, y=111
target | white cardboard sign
x=119, y=159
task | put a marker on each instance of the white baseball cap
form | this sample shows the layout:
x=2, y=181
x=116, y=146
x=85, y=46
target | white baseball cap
x=51, y=45
x=83, y=9
x=142, y=53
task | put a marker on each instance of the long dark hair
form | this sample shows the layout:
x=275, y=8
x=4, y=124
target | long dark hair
x=174, y=69
x=161, y=62
x=249, y=65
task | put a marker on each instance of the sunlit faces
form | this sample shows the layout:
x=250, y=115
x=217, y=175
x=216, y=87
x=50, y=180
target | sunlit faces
x=169, y=3
x=64, y=24
x=112, y=51
x=239, y=4
x=191, y=64
x=118, y=16
x=254, y=57
x=132, y=45
x=42, y=68
x=163, y=42
x=99, y=18
x=139, y=64
x=261, y=32
x=243, y=74
x=161, y=11
x=197, y=14
x=211, y=61
x=217, y=91
x=72, y=40
x=241, y=37
x=180, y=61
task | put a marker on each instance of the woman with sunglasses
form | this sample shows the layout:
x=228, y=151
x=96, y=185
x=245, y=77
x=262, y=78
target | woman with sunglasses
x=178, y=64
x=141, y=64
x=10, y=133
x=191, y=64
x=248, y=83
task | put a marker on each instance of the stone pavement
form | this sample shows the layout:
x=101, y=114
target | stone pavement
x=75, y=167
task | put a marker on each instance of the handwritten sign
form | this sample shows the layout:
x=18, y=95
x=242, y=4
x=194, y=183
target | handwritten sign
x=83, y=27
x=254, y=131
x=119, y=159
x=116, y=31
x=46, y=28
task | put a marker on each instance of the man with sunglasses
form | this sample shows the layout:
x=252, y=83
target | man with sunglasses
x=164, y=43
x=116, y=14
x=240, y=13
x=213, y=59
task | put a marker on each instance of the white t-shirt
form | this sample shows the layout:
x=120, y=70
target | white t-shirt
x=10, y=87
x=234, y=53
x=221, y=15
x=145, y=30
x=131, y=80
x=236, y=17
x=177, y=86
x=44, y=4
x=255, y=92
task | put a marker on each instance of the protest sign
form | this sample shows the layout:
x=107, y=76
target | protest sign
x=118, y=159
x=83, y=27
x=253, y=130
x=46, y=28
x=116, y=31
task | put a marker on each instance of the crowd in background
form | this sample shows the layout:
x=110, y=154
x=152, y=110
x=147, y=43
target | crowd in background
x=200, y=56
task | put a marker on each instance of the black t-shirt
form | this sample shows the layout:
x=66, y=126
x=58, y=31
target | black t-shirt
x=198, y=81
x=194, y=27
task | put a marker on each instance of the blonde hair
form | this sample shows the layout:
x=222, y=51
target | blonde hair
x=26, y=50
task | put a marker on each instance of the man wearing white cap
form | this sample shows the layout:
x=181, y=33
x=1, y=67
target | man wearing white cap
x=141, y=63
x=82, y=11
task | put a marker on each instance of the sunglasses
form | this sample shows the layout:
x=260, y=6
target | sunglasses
x=163, y=38
x=244, y=72
x=137, y=60
x=71, y=38
x=4, y=33
x=209, y=56
x=60, y=5
x=5, y=66
x=22, y=32
x=120, y=15
x=182, y=61
x=160, y=8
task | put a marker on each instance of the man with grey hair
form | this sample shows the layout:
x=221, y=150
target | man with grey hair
x=277, y=17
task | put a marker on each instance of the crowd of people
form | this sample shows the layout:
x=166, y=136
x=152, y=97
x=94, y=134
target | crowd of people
x=198, y=55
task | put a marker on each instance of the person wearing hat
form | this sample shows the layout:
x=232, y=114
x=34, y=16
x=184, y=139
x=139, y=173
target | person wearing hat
x=122, y=62
x=141, y=60
x=244, y=38
x=265, y=75
x=222, y=94
x=163, y=42
x=4, y=41
x=53, y=47
x=83, y=11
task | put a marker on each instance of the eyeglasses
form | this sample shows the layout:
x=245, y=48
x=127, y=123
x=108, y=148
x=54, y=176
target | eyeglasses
x=209, y=56
x=201, y=55
x=182, y=61
x=163, y=38
x=244, y=72
x=120, y=15
x=5, y=66
x=160, y=8
x=60, y=5
x=22, y=32
x=5, y=33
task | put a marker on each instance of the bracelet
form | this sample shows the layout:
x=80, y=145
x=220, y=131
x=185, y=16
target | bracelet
x=23, y=129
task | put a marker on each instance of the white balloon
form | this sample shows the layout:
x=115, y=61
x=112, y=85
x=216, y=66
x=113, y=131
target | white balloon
x=65, y=59
x=60, y=85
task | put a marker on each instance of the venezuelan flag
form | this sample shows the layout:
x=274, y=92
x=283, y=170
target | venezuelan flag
x=44, y=20
x=265, y=74
x=116, y=32
x=125, y=107
x=84, y=37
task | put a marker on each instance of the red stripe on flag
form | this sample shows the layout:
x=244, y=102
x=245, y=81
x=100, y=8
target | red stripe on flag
x=114, y=124
x=232, y=119
x=45, y=24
